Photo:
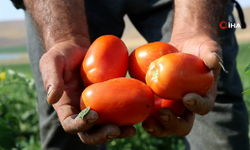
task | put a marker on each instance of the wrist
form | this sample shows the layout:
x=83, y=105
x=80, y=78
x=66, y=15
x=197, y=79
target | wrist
x=59, y=22
x=180, y=38
x=198, y=17
x=69, y=50
x=78, y=41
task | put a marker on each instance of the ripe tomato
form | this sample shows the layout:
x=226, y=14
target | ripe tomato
x=177, y=107
x=141, y=57
x=120, y=101
x=174, y=75
x=106, y=58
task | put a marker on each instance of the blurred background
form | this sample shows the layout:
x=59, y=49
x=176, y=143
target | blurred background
x=18, y=117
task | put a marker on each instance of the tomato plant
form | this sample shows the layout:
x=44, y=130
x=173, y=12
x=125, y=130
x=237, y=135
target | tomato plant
x=141, y=57
x=177, y=107
x=174, y=75
x=120, y=101
x=106, y=58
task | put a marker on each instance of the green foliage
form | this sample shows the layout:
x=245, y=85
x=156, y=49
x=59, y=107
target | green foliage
x=247, y=69
x=143, y=141
x=83, y=112
x=246, y=92
x=23, y=68
x=18, y=116
x=242, y=66
x=18, y=49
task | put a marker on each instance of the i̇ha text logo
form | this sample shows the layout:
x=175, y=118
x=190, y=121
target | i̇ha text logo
x=225, y=25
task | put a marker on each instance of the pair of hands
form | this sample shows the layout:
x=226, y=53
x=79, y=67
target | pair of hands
x=60, y=71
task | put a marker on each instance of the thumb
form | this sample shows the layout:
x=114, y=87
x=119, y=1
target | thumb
x=211, y=53
x=51, y=66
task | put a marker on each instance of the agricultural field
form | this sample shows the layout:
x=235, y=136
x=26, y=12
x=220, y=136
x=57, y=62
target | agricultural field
x=19, y=119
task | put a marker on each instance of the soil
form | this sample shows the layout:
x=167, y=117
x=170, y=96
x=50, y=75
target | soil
x=22, y=59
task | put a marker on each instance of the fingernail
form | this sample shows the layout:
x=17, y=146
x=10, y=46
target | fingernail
x=149, y=130
x=91, y=121
x=165, y=117
x=190, y=102
x=164, y=114
x=111, y=137
x=49, y=91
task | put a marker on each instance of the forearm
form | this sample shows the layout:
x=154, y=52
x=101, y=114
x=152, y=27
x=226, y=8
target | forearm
x=59, y=21
x=198, y=16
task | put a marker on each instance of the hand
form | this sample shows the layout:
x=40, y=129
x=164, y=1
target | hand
x=208, y=50
x=169, y=124
x=60, y=68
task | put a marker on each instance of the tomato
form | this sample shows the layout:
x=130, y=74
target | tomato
x=141, y=57
x=174, y=75
x=177, y=107
x=119, y=101
x=106, y=58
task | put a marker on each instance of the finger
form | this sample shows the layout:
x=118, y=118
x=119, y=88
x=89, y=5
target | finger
x=68, y=109
x=211, y=53
x=198, y=104
x=100, y=135
x=154, y=128
x=127, y=131
x=51, y=67
x=73, y=124
x=169, y=124
x=179, y=126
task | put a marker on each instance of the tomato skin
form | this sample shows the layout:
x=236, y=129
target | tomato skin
x=106, y=58
x=119, y=101
x=174, y=75
x=177, y=107
x=141, y=57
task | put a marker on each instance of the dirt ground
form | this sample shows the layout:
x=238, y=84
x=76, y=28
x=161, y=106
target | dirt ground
x=22, y=59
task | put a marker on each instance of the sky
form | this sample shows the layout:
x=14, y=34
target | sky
x=8, y=11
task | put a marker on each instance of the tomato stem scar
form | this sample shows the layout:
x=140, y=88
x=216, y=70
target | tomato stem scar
x=155, y=73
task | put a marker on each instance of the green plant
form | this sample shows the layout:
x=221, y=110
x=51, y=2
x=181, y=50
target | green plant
x=16, y=49
x=18, y=116
x=143, y=141
x=247, y=70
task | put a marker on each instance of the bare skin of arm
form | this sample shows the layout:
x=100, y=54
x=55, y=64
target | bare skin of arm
x=62, y=26
x=59, y=21
x=195, y=31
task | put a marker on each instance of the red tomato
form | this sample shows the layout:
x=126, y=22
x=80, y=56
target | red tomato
x=106, y=58
x=174, y=75
x=177, y=107
x=119, y=101
x=140, y=58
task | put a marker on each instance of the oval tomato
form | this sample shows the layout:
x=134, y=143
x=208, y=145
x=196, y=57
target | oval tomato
x=106, y=58
x=120, y=101
x=174, y=75
x=141, y=57
x=177, y=107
